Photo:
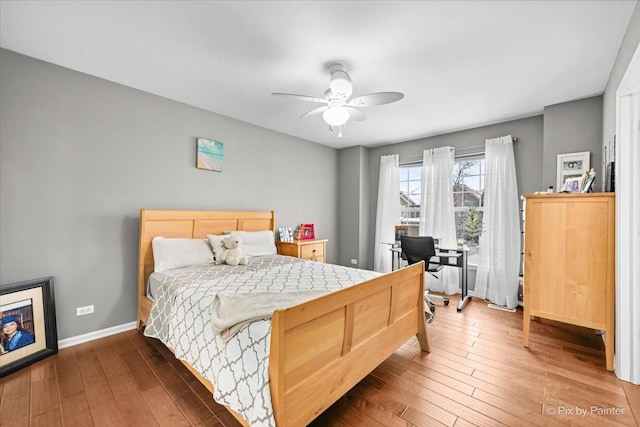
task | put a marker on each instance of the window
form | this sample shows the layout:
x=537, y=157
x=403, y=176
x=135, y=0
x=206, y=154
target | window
x=468, y=198
x=411, y=196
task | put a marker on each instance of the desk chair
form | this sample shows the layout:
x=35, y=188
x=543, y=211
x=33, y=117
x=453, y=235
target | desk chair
x=422, y=248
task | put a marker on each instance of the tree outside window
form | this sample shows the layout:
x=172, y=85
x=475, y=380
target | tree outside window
x=468, y=201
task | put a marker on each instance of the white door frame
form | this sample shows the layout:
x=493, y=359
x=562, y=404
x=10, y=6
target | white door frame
x=627, y=182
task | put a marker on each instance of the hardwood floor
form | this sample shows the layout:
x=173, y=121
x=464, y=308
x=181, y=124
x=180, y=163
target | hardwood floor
x=477, y=374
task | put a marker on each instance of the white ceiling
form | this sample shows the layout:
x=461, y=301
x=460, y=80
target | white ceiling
x=460, y=64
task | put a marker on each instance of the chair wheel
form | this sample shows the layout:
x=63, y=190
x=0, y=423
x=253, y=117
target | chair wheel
x=446, y=302
x=428, y=317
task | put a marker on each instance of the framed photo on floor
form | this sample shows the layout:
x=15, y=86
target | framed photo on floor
x=28, y=314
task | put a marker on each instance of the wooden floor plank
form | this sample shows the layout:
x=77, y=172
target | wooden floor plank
x=419, y=418
x=98, y=392
x=168, y=377
x=139, y=370
x=78, y=419
x=633, y=397
x=165, y=411
x=44, y=396
x=74, y=404
x=51, y=418
x=89, y=366
x=377, y=412
x=108, y=415
x=132, y=406
x=69, y=378
x=14, y=405
x=45, y=368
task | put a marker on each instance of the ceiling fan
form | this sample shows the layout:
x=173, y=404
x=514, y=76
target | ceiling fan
x=338, y=108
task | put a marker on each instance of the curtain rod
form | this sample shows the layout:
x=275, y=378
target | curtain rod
x=417, y=158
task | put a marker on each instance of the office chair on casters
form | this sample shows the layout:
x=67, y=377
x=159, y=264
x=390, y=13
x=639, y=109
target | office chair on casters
x=422, y=248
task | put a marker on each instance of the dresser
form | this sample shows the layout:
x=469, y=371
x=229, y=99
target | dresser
x=311, y=249
x=569, y=262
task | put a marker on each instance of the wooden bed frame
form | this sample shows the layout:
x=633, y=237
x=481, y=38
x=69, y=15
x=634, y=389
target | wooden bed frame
x=321, y=348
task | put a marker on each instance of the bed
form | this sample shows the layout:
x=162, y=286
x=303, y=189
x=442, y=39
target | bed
x=318, y=349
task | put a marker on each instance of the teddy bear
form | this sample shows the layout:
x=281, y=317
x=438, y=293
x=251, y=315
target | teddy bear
x=233, y=253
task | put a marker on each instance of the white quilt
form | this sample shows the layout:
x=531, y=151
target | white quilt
x=239, y=370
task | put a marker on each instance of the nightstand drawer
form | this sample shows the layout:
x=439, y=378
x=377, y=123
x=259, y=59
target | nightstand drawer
x=315, y=250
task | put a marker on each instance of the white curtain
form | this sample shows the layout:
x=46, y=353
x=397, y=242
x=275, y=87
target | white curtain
x=437, y=217
x=497, y=277
x=388, y=212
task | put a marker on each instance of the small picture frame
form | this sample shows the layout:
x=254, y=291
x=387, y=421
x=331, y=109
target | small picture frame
x=572, y=185
x=285, y=233
x=307, y=232
x=588, y=185
x=401, y=230
x=28, y=315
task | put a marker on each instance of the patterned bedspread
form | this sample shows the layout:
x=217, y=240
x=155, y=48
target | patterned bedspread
x=181, y=319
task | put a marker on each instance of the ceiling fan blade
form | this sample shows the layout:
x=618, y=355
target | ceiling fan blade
x=372, y=99
x=355, y=114
x=301, y=97
x=314, y=112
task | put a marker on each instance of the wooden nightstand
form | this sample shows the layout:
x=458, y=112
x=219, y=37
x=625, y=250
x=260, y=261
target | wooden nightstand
x=312, y=249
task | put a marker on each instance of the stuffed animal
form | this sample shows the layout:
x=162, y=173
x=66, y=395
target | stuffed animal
x=233, y=253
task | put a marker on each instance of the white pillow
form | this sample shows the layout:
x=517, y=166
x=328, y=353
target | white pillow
x=178, y=252
x=216, y=243
x=257, y=243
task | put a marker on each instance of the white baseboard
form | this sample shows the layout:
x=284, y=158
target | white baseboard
x=80, y=339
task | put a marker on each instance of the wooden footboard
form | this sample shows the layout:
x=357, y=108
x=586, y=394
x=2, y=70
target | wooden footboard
x=322, y=348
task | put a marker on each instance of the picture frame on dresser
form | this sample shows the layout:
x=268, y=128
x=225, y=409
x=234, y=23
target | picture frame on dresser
x=29, y=329
x=571, y=166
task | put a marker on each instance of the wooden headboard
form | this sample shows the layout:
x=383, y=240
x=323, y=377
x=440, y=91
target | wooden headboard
x=188, y=224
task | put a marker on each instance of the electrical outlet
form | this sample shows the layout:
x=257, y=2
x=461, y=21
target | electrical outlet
x=87, y=309
x=354, y=261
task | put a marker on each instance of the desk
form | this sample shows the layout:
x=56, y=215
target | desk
x=446, y=257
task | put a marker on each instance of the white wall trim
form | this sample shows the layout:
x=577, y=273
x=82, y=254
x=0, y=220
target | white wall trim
x=627, y=346
x=81, y=339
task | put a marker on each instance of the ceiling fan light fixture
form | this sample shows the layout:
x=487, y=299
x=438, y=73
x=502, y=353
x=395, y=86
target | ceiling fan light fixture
x=340, y=84
x=335, y=116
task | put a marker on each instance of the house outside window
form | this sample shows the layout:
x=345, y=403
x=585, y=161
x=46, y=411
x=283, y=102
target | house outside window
x=468, y=198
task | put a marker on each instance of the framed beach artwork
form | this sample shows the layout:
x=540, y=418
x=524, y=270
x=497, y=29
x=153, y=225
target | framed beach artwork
x=209, y=154
x=28, y=314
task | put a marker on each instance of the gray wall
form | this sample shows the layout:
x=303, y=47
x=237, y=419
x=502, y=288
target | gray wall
x=572, y=127
x=527, y=152
x=628, y=47
x=349, y=172
x=353, y=205
x=79, y=157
